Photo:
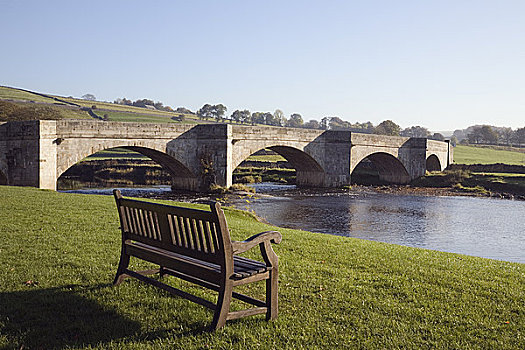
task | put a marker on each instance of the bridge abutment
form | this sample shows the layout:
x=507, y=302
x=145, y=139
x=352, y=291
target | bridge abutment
x=30, y=153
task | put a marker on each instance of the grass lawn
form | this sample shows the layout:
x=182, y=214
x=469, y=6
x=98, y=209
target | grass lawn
x=59, y=253
x=479, y=155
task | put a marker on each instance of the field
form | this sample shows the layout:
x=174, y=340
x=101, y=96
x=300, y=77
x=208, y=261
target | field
x=15, y=94
x=481, y=155
x=335, y=292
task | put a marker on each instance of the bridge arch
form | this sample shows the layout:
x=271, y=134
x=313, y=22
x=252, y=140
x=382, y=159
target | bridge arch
x=182, y=176
x=309, y=171
x=152, y=151
x=433, y=163
x=389, y=167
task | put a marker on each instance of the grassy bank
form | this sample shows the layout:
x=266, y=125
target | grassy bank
x=59, y=253
x=486, y=184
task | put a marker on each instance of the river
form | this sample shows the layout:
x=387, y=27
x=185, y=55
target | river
x=484, y=227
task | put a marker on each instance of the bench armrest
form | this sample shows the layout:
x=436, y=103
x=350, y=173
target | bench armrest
x=264, y=240
x=267, y=236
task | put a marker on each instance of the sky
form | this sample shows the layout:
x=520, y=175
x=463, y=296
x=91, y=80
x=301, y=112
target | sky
x=441, y=64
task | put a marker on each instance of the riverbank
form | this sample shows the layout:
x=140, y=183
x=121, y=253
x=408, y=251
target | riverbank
x=439, y=191
x=335, y=292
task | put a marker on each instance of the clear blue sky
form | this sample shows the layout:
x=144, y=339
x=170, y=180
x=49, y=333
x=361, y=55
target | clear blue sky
x=440, y=64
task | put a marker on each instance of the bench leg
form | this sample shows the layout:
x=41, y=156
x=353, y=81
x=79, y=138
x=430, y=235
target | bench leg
x=223, y=306
x=271, y=295
x=122, y=266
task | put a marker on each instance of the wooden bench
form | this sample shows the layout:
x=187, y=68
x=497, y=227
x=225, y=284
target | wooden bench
x=195, y=245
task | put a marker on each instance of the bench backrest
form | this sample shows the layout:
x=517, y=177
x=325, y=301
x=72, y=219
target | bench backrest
x=196, y=233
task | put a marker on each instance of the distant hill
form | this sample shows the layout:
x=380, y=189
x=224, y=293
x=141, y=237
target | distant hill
x=21, y=104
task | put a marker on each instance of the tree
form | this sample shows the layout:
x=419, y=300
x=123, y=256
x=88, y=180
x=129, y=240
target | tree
x=241, y=116
x=295, y=121
x=218, y=111
x=387, y=127
x=312, y=124
x=438, y=136
x=506, y=134
x=279, y=118
x=337, y=123
x=415, y=131
x=258, y=118
x=460, y=134
x=325, y=123
x=236, y=116
x=489, y=135
x=475, y=135
x=123, y=101
x=367, y=127
x=206, y=112
x=158, y=105
x=268, y=119
x=143, y=103
x=183, y=110
x=520, y=136
x=89, y=97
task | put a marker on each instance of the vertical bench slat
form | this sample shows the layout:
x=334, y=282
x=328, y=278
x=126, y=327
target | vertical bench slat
x=199, y=245
x=136, y=222
x=215, y=238
x=142, y=223
x=172, y=231
x=124, y=221
x=180, y=225
x=209, y=237
x=187, y=233
x=163, y=227
x=151, y=221
x=205, y=243
x=128, y=218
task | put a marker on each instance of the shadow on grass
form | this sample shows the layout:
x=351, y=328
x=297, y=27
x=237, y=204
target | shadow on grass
x=61, y=317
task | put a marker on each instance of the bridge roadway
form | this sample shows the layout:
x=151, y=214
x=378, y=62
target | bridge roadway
x=36, y=153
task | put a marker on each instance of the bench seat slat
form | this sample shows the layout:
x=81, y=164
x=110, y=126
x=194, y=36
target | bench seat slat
x=242, y=267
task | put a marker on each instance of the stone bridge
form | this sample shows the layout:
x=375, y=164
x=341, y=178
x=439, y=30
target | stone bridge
x=36, y=153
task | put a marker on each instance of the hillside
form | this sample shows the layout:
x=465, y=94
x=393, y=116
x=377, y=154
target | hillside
x=69, y=107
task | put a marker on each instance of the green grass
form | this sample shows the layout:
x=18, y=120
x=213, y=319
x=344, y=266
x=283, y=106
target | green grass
x=7, y=93
x=116, y=153
x=516, y=180
x=479, y=155
x=274, y=158
x=59, y=252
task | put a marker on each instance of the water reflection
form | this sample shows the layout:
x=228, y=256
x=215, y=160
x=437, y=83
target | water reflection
x=490, y=228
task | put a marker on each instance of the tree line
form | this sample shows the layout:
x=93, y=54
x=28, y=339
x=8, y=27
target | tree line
x=489, y=135
x=477, y=134
x=295, y=120
x=147, y=103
